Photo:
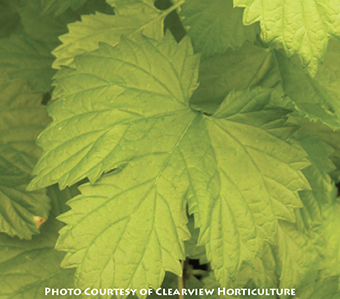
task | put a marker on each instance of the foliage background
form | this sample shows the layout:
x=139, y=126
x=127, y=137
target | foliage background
x=70, y=69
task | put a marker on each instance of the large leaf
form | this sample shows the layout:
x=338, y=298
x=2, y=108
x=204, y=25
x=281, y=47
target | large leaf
x=127, y=108
x=301, y=26
x=143, y=105
x=237, y=197
x=128, y=104
x=132, y=17
x=22, y=119
x=27, y=267
x=215, y=26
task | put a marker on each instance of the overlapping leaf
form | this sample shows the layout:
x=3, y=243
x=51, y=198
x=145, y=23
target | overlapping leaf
x=27, y=267
x=191, y=249
x=327, y=288
x=57, y=7
x=215, y=26
x=132, y=17
x=42, y=26
x=25, y=58
x=239, y=197
x=300, y=26
x=318, y=174
x=317, y=100
x=9, y=19
x=235, y=70
x=261, y=275
x=26, y=53
x=297, y=257
x=312, y=99
x=329, y=230
x=22, y=119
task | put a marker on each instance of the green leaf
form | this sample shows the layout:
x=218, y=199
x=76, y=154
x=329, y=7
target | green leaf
x=22, y=119
x=25, y=58
x=27, y=267
x=318, y=175
x=302, y=27
x=311, y=99
x=91, y=6
x=127, y=105
x=215, y=26
x=134, y=17
x=57, y=7
x=328, y=75
x=158, y=245
x=238, y=197
x=127, y=108
x=329, y=230
x=9, y=19
x=326, y=136
x=191, y=249
x=301, y=245
x=260, y=275
x=135, y=228
x=297, y=257
x=323, y=288
x=41, y=26
x=235, y=70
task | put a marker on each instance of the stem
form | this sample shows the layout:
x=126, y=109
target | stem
x=173, y=7
x=181, y=282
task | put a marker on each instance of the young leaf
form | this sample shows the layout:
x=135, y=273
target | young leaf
x=215, y=26
x=27, y=267
x=299, y=26
x=134, y=18
x=22, y=118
